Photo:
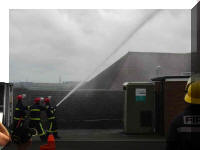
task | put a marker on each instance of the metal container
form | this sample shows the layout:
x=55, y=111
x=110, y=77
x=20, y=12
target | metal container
x=139, y=106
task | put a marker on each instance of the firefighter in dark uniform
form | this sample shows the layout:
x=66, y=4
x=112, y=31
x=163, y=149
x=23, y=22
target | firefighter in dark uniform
x=19, y=113
x=184, y=132
x=35, y=121
x=52, y=125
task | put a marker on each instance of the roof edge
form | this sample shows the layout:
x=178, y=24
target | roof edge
x=158, y=53
x=168, y=77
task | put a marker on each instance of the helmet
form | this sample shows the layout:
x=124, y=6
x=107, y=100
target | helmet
x=37, y=100
x=193, y=78
x=193, y=90
x=19, y=97
x=46, y=100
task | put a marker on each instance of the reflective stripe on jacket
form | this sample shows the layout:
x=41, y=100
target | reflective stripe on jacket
x=35, y=110
x=50, y=112
x=20, y=111
x=184, y=130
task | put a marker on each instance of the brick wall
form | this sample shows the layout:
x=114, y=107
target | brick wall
x=174, y=103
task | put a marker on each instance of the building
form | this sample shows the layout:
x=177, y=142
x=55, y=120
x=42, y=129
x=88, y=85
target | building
x=99, y=103
x=140, y=66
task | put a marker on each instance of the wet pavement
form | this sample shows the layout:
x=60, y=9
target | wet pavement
x=102, y=140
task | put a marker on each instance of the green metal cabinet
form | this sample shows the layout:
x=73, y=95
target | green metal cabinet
x=139, y=107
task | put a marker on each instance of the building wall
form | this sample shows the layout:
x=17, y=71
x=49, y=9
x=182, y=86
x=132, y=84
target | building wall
x=159, y=108
x=195, y=28
x=174, y=103
x=195, y=39
x=104, y=108
x=85, y=108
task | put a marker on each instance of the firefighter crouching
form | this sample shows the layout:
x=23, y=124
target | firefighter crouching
x=19, y=114
x=35, y=121
x=184, y=130
x=52, y=124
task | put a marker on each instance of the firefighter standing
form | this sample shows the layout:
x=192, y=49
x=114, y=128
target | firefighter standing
x=184, y=132
x=19, y=114
x=52, y=125
x=35, y=121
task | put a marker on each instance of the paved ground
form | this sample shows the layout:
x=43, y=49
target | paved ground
x=103, y=140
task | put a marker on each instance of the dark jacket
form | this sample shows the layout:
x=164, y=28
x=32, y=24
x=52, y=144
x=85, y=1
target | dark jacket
x=184, y=132
x=20, y=111
x=50, y=110
x=35, y=111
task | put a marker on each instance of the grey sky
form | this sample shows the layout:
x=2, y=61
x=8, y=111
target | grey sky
x=46, y=44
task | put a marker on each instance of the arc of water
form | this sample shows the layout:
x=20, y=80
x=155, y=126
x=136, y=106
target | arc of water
x=139, y=26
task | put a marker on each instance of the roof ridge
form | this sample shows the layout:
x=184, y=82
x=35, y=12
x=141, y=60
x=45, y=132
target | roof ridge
x=156, y=52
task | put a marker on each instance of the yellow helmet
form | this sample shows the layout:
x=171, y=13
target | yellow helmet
x=193, y=90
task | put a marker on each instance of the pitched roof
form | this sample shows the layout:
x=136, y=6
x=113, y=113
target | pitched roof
x=140, y=66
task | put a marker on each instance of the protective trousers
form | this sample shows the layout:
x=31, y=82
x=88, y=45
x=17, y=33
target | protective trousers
x=36, y=124
x=52, y=127
x=16, y=124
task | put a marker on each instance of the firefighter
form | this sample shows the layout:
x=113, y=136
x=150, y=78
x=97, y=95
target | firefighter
x=35, y=121
x=52, y=124
x=184, y=131
x=19, y=114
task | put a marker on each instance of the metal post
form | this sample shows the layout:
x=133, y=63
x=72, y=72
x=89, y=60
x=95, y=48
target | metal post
x=4, y=105
x=11, y=104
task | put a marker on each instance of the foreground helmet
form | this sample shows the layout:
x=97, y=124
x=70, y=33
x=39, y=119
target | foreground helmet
x=193, y=90
x=19, y=97
x=37, y=99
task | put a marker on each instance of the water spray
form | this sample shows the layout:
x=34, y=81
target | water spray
x=134, y=31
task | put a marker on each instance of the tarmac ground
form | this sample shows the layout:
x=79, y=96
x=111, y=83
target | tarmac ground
x=100, y=139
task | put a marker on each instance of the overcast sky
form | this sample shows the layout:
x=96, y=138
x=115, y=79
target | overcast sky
x=48, y=44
